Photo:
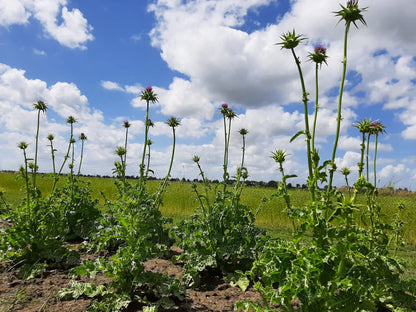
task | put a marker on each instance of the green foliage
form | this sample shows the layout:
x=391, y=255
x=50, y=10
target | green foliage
x=345, y=268
x=224, y=237
x=221, y=236
x=132, y=231
x=346, y=264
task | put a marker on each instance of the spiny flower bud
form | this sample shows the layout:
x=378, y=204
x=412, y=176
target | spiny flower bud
x=196, y=158
x=22, y=145
x=279, y=156
x=82, y=137
x=173, y=122
x=126, y=124
x=41, y=106
x=71, y=120
x=351, y=13
x=50, y=137
x=319, y=56
x=243, y=131
x=149, y=95
x=120, y=151
x=290, y=40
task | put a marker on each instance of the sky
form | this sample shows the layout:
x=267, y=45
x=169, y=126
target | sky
x=92, y=59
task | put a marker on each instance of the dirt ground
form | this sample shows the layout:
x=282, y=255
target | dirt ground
x=40, y=294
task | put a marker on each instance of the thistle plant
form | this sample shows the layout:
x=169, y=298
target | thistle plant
x=24, y=172
x=290, y=41
x=149, y=96
x=149, y=145
x=51, y=137
x=227, y=115
x=40, y=107
x=363, y=127
x=342, y=265
x=318, y=57
x=70, y=120
x=82, y=138
x=173, y=123
x=279, y=157
x=376, y=128
x=221, y=236
x=350, y=14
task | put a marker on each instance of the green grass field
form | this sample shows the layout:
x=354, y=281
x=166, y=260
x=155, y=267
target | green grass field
x=179, y=202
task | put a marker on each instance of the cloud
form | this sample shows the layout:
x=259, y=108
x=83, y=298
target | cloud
x=13, y=12
x=73, y=32
x=110, y=85
x=39, y=52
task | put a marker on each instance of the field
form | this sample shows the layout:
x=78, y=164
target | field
x=215, y=294
x=179, y=202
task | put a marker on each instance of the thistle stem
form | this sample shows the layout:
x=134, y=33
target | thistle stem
x=375, y=160
x=306, y=115
x=82, y=154
x=36, y=151
x=146, y=132
x=316, y=107
x=339, y=118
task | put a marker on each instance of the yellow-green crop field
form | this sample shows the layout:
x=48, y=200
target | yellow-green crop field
x=179, y=202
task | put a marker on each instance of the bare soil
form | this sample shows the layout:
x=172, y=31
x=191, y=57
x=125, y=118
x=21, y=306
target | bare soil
x=40, y=294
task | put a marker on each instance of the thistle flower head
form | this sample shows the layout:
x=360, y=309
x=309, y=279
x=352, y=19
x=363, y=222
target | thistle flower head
x=290, y=40
x=148, y=95
x=351, y=13
x=126, y=124
x=72, y=141
x=377, y=127
x=196, y=158
x=149, y=142
x=345, y=171
x=22, y=145
x=363, y=126
x=224, y=108
x=40, y=106
x=71, y=120
x=226, y=111
x=120, y=151
x=50, y=137
x=279, y=156
x=173, y=122
x=82, y=137
x=243, y=131
x=319, y=55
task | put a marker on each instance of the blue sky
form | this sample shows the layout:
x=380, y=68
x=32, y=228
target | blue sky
x=91, y=59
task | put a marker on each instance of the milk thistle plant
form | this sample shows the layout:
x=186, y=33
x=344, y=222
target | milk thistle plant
x=343, y=266
x=220, y=237
x=133, y=230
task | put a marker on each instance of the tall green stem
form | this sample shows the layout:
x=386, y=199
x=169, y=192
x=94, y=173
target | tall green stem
x=225, y=153
x=375, y=159
x=306, y=115
x=36, y=151
x=361, y=163
x=82, y=154
x=65, y=159
x=339, y=118
x=146, y=132
x=366, y=156
x=164, y=183
x=316, y=106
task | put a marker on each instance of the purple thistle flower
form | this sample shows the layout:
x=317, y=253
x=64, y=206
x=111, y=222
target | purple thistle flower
x=225, y=105
x=320, y=48
x=126, y=124
x=149, y=88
